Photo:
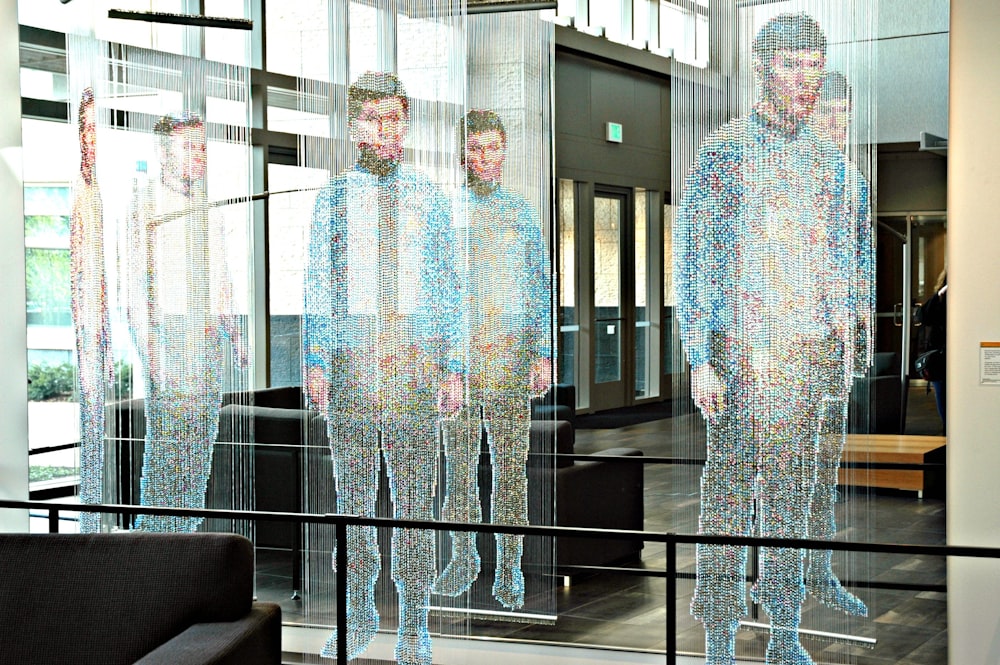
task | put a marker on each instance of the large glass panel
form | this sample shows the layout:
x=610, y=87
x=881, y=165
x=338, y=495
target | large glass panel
x=607, y=14
x=643, y=354
x=298, y=112
x=608, y=214
x=673, y=357
x=293, y=193
x=569, y=329
x=50, y=158
x=225, y=44
x=298, y=38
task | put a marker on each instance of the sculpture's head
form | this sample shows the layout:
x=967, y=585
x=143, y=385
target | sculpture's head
x=482, y=143
x=789, y=56
x=378, y=112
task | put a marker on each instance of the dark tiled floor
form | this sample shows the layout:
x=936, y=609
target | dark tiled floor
x=619, y=610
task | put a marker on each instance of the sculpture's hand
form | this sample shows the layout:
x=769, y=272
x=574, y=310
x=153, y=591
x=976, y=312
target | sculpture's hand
x=317, y=389
x=450, y=395
x=540, y=376
x=708, y=390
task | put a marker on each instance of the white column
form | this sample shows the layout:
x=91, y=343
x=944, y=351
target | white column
x=13, y=360
x=973, y=317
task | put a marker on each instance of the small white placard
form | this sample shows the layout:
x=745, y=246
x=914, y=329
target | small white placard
x=989, y=363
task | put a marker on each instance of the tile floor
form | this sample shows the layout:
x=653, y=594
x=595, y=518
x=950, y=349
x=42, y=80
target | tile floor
x=624, y=611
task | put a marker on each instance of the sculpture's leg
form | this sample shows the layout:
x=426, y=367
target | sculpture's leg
x=726, y=509
x=788, y=429
x=508, y=430
x=821, y=582
x=461, y=502
x=410, y=445
x=354, y=445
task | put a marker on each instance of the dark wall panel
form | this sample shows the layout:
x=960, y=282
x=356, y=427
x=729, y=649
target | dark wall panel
x=909, y=180
x=590, y=93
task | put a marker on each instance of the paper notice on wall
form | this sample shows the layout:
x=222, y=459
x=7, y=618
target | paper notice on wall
x=989, y=363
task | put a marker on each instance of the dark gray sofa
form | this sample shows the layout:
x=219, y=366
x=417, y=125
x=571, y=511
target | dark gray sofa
x=597, y=493
x=876, y=399
x=291, y=456
x=153, y=599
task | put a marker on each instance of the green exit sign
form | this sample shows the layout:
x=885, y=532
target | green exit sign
x=613, y=132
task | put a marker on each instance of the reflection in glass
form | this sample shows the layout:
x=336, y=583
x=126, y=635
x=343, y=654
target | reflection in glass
x=567, y=283
x=643, y=355
x=608, y=215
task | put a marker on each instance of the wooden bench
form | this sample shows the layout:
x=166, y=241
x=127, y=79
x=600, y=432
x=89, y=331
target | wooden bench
x=902, y=448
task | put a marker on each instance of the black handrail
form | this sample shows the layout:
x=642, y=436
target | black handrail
x=671, y=540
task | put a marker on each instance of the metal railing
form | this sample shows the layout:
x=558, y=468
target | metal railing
x=670, y=540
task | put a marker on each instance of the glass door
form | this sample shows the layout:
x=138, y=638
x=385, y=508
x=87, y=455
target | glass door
x=612, y=330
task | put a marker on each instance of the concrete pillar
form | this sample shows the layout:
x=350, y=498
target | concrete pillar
x=973, y=317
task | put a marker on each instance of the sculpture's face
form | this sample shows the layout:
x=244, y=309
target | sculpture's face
x=792, y=81
x=485, y=153
x=831, y=118
x=381, y=127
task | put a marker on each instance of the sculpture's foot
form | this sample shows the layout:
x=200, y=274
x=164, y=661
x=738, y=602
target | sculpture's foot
x=458, y=575
x=167, y=524
x=413, y=647
x=362, y=626
x=784, y=649
x=828, y=590
x=508, y=587
x=720, y=642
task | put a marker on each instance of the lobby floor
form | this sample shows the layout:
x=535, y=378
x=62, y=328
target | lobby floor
x=622, y=611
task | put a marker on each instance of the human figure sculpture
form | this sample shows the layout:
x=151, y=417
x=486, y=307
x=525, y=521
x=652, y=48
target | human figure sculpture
x=91, y=321
x=380, y=320
x=763, y=249
x=507, y=307
x=177, y=309
x=831, y=118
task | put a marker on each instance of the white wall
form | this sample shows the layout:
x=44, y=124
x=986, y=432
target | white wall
x=13, y=361
x=973, y=316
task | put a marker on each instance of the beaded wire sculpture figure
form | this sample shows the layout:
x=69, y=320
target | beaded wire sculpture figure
x=177, y=312
x=91, y=322
x=830, y=119
x=508, y=360
x=380, y=321
x=765, y=270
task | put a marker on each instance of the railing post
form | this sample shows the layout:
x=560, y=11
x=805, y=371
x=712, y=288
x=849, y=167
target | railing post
x=53, y=520
x=671, y=600
x=340, y=540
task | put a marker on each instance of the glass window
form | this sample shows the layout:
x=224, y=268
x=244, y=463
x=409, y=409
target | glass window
x=672, y=356
x=607, y=14
x=643, y=355
x=567, y=281
x=290, y=214
x=223, y=44
x=608, y=217
x=157, y=36
x=686, y=32
x=298, y=38
x=38, y=81
x=298, y=113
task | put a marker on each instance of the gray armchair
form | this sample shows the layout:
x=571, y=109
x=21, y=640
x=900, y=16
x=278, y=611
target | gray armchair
x=112, y=598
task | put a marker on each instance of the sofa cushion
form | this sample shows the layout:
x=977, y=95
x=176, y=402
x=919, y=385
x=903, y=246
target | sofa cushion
x=112, y=598
x=283, y=397
x=262, y=424
x=551, y=436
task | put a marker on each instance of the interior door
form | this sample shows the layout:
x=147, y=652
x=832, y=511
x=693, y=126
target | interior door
x=612, y=324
